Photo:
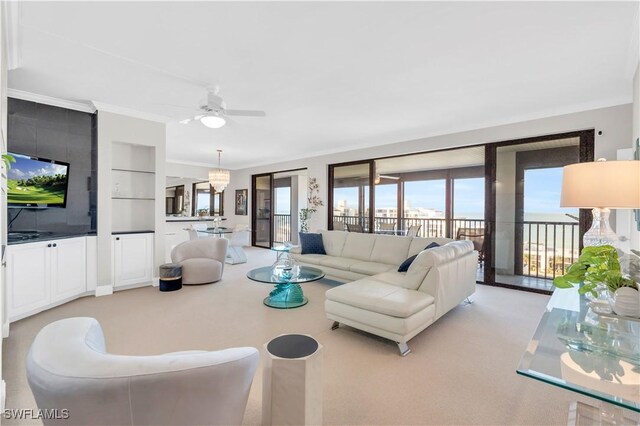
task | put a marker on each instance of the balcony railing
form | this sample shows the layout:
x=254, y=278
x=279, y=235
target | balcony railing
x=281, y=228
x=548, y=247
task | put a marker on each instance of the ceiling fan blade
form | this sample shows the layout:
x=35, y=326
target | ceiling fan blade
x=244, y=113
x=390, y=177
x=189, y=120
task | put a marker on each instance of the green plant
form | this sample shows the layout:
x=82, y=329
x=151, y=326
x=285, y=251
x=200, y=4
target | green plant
x=313, y=201
x=597, y=264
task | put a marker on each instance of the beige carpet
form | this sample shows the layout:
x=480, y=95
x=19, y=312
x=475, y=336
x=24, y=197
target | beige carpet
x=461, y=369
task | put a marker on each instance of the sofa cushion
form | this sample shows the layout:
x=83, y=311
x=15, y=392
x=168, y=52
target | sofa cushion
x=404, y=266
x=358, y=246
x=390, y=249
x=380, y=297
x=342, y=263
x=311, y=243
x=442, y=255
x=314, y=259
x=334, y=242
x=418, y=244
x=411, y=280
x=370, y=268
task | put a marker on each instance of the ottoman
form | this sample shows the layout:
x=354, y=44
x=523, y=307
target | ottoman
x=170, y=277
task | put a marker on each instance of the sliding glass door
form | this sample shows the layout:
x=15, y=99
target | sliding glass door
x=532, y=238
x=350, y=196
x=262, y=207
x=276, y=202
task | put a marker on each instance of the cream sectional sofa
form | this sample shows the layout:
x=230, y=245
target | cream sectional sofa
x=380, y=300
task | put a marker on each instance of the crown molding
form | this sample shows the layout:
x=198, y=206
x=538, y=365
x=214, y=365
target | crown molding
x=192, y=163
x=49, y=100
x=115, y=109
x=12, y=32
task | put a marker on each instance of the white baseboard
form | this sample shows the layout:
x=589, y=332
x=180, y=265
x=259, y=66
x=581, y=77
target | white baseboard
x=3, y=395
x=156, y=282
x=5, y=330
x=104, y=290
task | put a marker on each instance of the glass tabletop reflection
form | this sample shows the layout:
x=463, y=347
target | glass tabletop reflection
x=579, y=350
x=299, y=275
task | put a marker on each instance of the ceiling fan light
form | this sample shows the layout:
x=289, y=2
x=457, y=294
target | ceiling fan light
x=213, y=121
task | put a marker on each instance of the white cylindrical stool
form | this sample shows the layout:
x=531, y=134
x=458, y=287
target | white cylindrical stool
x=292, y=382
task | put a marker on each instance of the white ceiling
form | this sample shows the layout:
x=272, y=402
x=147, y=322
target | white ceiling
x=332, y=76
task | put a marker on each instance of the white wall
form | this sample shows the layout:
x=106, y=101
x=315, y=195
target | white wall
x=635, y=235
x=119, y=128
x=614, y=122
x=3, y=185
x=505, y=212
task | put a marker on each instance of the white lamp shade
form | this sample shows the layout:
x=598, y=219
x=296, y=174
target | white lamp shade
x=601, y=184
x=213, y=121
x=219, y=179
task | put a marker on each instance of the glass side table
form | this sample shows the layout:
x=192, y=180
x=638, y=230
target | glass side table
x=287, y=293
x=598, y=356
x=282, y=250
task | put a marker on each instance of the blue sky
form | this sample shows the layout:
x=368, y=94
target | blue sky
x=283, y=201
x=24, y=168
x=542, y=191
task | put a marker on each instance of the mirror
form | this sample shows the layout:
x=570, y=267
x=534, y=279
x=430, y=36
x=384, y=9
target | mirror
x=192, y=197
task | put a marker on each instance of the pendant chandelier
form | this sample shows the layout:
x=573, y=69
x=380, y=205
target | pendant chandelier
x=219, y=178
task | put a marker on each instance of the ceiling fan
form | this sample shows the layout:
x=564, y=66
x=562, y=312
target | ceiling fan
x=213, y=113
x=379, y=176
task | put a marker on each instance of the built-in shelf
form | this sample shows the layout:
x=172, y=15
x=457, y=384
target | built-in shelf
x=133, y=188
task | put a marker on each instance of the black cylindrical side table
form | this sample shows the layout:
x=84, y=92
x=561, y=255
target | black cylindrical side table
x=170, y=277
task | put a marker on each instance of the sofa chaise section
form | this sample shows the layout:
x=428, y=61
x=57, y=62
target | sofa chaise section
x=398, y=305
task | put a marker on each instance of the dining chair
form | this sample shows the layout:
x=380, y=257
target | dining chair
x=388, y=227
x=476, y=236
x=413, y=230
x=354, y=227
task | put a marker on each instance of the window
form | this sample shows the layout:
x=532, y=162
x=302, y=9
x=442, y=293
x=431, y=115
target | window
x=206, y=201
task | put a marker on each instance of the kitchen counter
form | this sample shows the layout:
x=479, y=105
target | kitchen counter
x=193, y=218
x=37, y=236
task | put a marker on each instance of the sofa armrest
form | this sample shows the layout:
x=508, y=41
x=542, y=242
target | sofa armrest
x=296, y=250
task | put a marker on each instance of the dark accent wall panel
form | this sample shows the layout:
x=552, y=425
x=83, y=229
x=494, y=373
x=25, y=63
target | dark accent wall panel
x=58, y=134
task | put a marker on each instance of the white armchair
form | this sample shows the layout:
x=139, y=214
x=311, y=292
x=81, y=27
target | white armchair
x=68, y=368
x=202, y=260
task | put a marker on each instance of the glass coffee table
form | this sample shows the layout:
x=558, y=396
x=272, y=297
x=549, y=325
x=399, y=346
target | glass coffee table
x=287, y=293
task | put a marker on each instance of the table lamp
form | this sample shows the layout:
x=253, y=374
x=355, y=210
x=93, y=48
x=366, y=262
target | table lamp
x=601, y=185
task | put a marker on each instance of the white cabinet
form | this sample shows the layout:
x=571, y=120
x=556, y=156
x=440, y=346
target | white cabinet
x=28, y=278
x=68, y=268
x=132, y=258
x=43, y=273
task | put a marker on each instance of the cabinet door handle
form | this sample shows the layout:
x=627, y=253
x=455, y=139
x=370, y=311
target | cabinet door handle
x=117, y=238
x=48, y=245
x=55, y=245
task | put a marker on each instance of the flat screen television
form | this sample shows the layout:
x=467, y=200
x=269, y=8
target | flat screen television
x=34, y=182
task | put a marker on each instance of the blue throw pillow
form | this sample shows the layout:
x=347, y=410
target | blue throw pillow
x=404, y=267
x=311, y=243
